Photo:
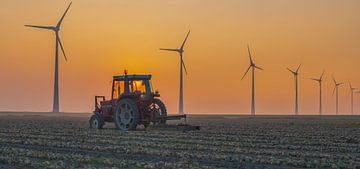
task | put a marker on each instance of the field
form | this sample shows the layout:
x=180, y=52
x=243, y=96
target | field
x=65, y=141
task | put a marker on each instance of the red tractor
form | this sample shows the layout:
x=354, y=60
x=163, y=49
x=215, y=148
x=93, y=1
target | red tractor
x=133, y=102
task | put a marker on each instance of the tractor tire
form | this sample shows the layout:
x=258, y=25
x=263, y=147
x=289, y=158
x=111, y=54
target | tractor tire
x=127, y=115
x=96, y=122
x=160, y=108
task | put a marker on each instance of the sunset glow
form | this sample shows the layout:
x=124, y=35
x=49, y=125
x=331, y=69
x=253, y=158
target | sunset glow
x=102, y=38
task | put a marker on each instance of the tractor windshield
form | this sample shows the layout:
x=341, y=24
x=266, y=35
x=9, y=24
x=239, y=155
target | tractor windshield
x=142, y=86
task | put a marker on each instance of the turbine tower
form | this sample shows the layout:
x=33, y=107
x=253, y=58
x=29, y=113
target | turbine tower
x=56, y=30
x=296, y=73
x=352, y=90
x=358, y=92
x=336, y=88
x=320, y=85
x=252, y=66
x=182, y=65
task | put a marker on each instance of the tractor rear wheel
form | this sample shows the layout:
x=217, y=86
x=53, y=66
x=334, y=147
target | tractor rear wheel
x=127, y=115
x=158, y=107
x=96, y=122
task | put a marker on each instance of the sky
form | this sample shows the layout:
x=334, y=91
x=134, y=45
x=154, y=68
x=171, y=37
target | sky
x=102, y=38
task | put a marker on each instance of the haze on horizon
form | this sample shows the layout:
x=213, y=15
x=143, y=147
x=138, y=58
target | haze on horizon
x=102, y=38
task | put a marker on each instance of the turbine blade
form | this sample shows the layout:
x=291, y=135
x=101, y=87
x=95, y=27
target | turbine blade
x=259, y=68
x=297, y=70
x=334, y=80
x=322, y=74
x=62, y=49
x=174, y=50
x=315, y=79
x=183, y=64
x=62, y=18
x=251, y=61
x=41, y=27
x=290, y=71
x=183, y=44
x=246, y=72
x=334, y=90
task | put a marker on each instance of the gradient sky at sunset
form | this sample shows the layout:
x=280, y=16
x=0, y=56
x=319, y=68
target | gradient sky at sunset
x=103, y=37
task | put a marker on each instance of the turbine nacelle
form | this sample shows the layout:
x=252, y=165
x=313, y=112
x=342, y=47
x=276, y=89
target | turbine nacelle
x=320, y=79
x=180, y=51
x=296, y=72
x=336, y=83
x=252, y=64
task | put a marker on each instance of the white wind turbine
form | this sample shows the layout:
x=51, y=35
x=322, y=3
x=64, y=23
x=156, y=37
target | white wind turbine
x=320, y=86
x=56, y=30
x=182, y=65
x=252, y=66
x=352, y=90
x=296, y=73
x=336, y=88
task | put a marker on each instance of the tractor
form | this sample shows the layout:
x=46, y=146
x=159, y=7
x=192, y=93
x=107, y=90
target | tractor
x=133, y=102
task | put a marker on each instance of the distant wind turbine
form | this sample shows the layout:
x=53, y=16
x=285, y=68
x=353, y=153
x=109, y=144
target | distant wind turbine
x=358, y=92
x=296, y=73
x=182, y=65
x=320, y=85
x=252, y=66
x=56, y=30
x=336, y=88
x=352, y=90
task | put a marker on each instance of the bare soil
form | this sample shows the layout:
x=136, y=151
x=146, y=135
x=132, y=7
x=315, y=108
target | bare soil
x=48, y=140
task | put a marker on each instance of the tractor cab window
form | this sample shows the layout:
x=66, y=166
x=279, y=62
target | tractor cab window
x=118, y=89
x=142, y=86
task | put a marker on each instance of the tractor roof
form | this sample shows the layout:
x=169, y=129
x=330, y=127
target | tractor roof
x=133, y=77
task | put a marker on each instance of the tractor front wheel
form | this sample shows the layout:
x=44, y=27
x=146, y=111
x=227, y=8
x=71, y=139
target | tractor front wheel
x=96, y=122
x=127, y=115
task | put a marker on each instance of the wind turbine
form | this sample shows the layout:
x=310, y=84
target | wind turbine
x=296, y=73
x=336, y=88
x=182, y=65
x=252, y=66
x=320, y=85
x=358, y=92
x=352, y=89
x=56, y=30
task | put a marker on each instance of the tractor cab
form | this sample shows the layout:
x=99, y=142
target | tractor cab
x=132, y=85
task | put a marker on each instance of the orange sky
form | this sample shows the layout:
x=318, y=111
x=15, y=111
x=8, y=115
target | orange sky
x=102, y=38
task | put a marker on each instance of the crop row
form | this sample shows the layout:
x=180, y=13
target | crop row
x=290, y=158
